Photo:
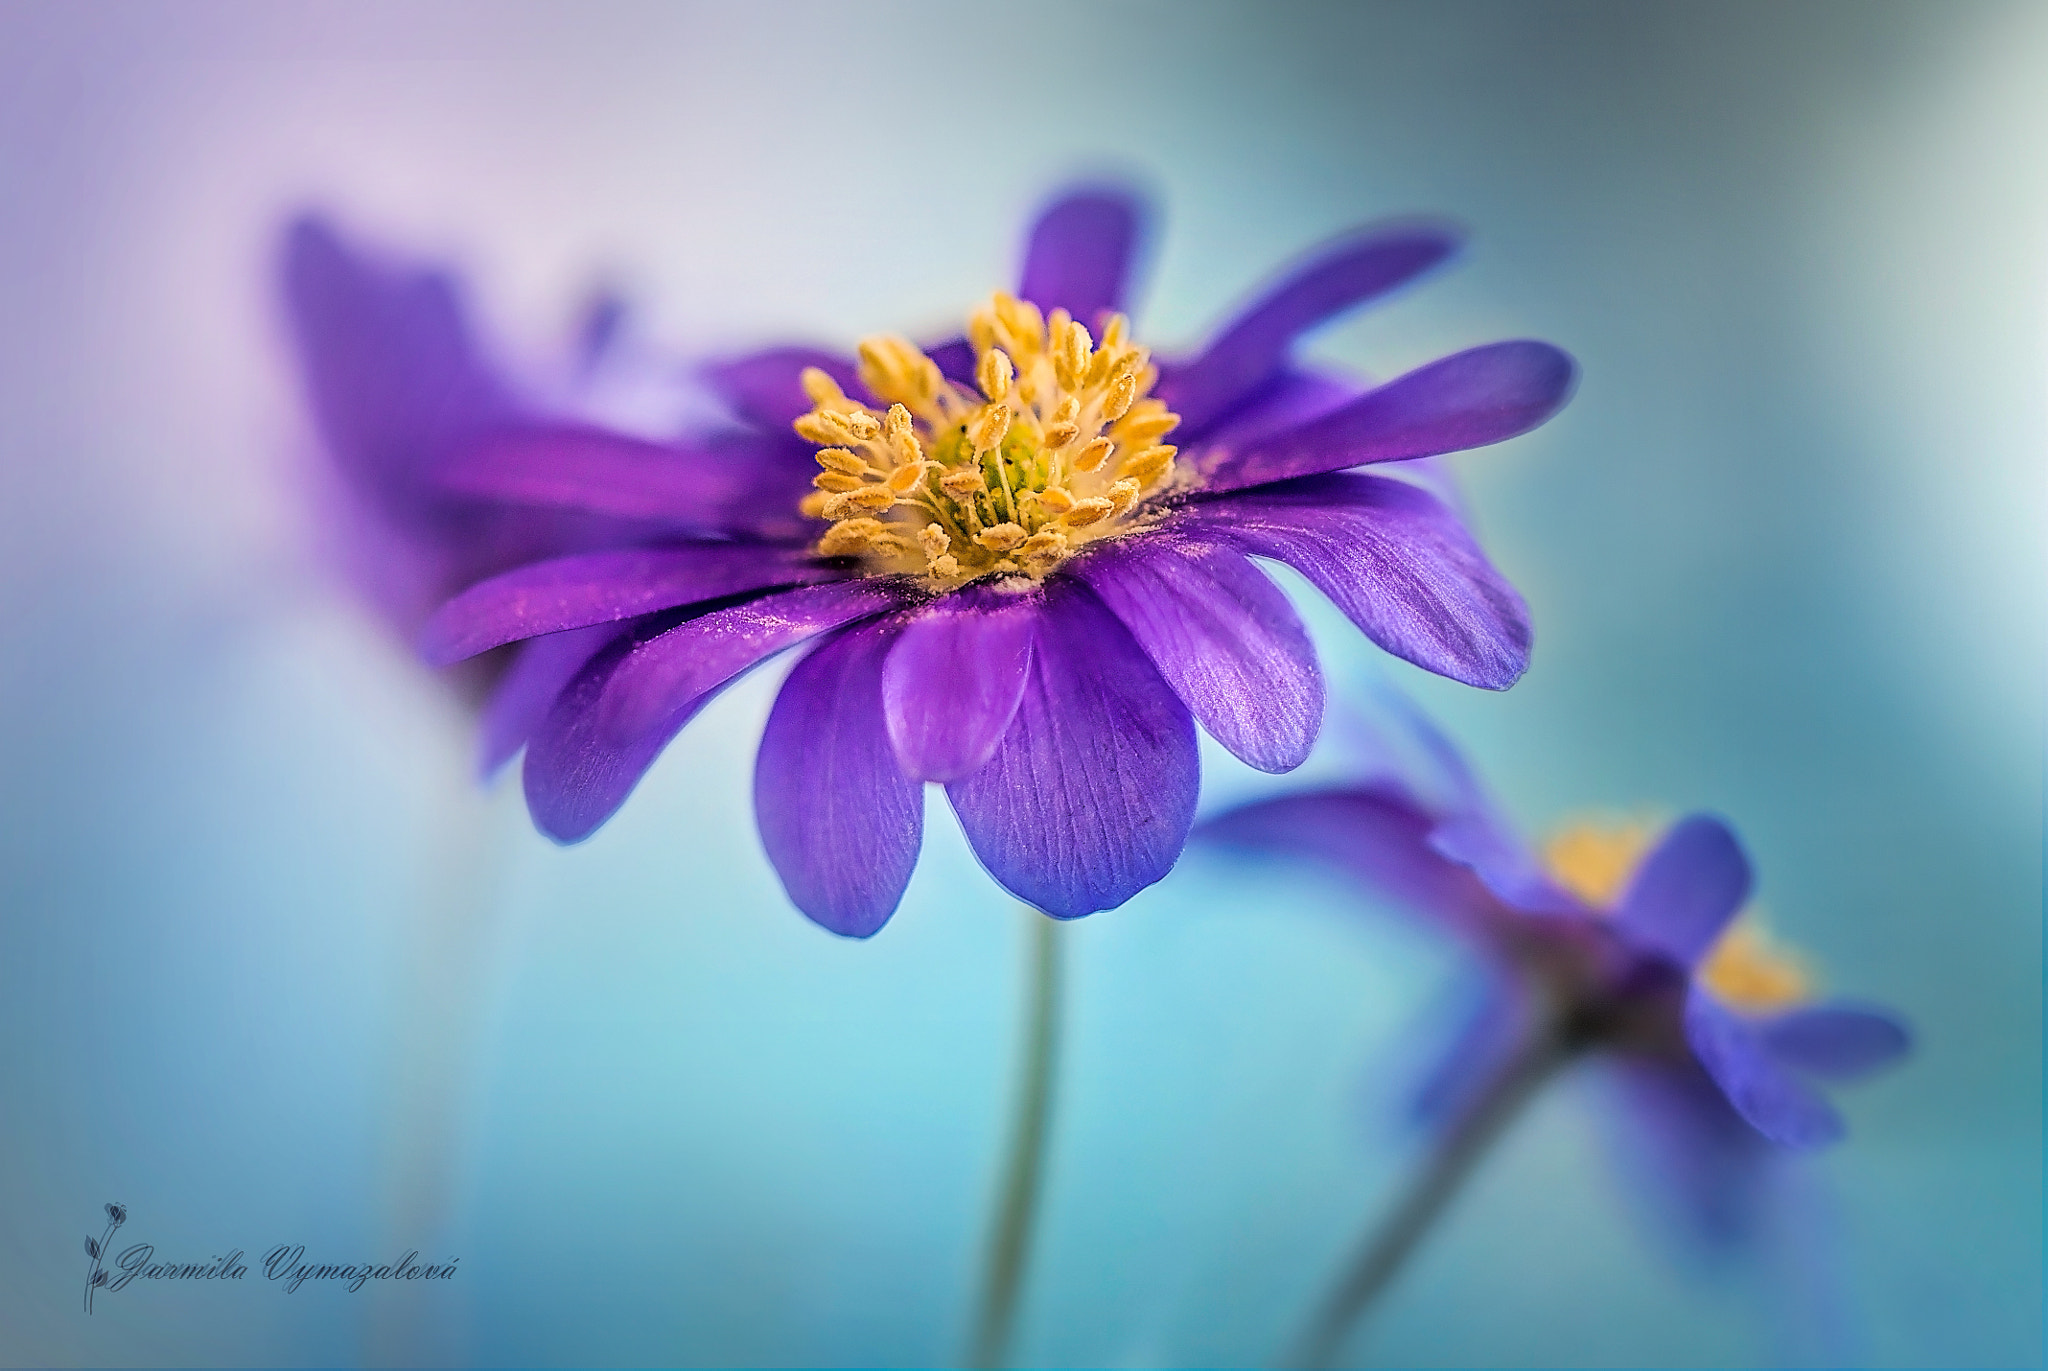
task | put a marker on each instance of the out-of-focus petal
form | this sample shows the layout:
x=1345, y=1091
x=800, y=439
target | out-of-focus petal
x=1686, y=891
x=603, y=587
x=1223, y=636
x=1838, y=1041
x=1470, y=399
x=670, y=675
x=840, y=822
x=575, y=466
x=1374, y=833
x=1400, y=566
x=522, y=698
x=1686, y=1155
x=1335, y=278
x=764, y=387
x=1080, y=253
x=1489, y=1027
x=581, y=764
x=1088, y=797
x=1775, y=1102
x=953, y=680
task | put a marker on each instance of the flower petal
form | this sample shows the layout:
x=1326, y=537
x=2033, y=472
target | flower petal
x=1080, y=254
x=1776, y=1104
x=953, y=680
x=1395, y=560
x=1372, y=833
x=1223, y=636
x=671, y=674
x=1686, y=1155
x=1255, y=345
x=840, y=822
x=1088, y=797
x=530, y=686
x=1288, y=400
x=765, y=388
x=576, y=466
x=1686, y=891
x=602, y=587
x=1485, y=395
x=581, y=765
x=1839, y=1042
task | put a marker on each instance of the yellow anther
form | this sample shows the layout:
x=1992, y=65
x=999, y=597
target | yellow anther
x=1147, y=421
x=1121, y=394
x=1092, y=510
x=866, y=500
x=1594, y=860
x=1148, y=466
x=947, y=565
x=1074, y=347
x=1067, y=410
x=1059, y=435
x=822, y=427
x=988, y=427
x=1092, y=457
x=1055, y=500
x=964, y=483
x=1001, y=538
x=837, y=482
x=864, y=426
x=849, y=537
x=901, y=431
x=812, y=506
x=905, y=478
x=1115, y=331
x=1046, y=542
x=1122, y=495
x=934, y=540
x=821, y=388
x=994, y=373
x=839, y=459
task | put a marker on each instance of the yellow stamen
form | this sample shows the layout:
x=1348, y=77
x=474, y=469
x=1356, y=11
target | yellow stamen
x=1594, y=859
x=1056, y=446
x=1749, y=970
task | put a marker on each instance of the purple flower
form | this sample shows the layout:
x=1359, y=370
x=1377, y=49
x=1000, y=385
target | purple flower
x=1621, y=941
x=400, y=391
x=1017, y=588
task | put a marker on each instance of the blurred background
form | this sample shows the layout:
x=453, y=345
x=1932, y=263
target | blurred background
x=274, y=970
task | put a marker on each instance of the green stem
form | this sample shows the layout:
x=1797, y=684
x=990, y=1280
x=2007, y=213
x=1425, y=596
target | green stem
x=1009, y=1249
x=1390, y=1243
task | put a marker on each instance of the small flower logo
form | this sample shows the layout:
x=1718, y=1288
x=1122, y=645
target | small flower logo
x=97, y=1248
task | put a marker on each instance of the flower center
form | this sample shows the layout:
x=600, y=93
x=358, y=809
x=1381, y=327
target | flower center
x=1745, y=968
x=1593, y=860
x=1060, y=447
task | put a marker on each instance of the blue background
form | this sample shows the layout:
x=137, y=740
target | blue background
x=272, y=970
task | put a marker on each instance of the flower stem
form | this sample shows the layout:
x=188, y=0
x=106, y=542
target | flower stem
x=1390, y=1243
x=1009, y=1250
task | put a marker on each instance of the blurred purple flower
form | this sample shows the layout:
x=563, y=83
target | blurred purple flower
x=1618, y=941
x=399, y=389
x=1020, y=592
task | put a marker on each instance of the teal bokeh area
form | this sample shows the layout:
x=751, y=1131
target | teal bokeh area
x=273, y=970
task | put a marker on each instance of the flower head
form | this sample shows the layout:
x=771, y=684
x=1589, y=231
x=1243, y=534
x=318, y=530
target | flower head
x=1622, y=939
x=1017, y=587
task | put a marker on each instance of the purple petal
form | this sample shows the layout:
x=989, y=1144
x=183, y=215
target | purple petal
x=840, y=822
x=574, y=466
x=1686, y=891
x=1400, y=566
x=603, y=587
x=954, y=679
x=1284, y=403
x=1491, y=1023
x=1776, y=1104
x=394, y=378
x=955, y=360
x=1080, y=254
x=1839, y=1042
x=1223, y=636
x=1686, y=1154
x=1375, y=834
x=1088, y=797
x=1468, y=400
x=581, y=766
x=670, y=675
x=530, y=686
x=764, y=387
x=1255, y=345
